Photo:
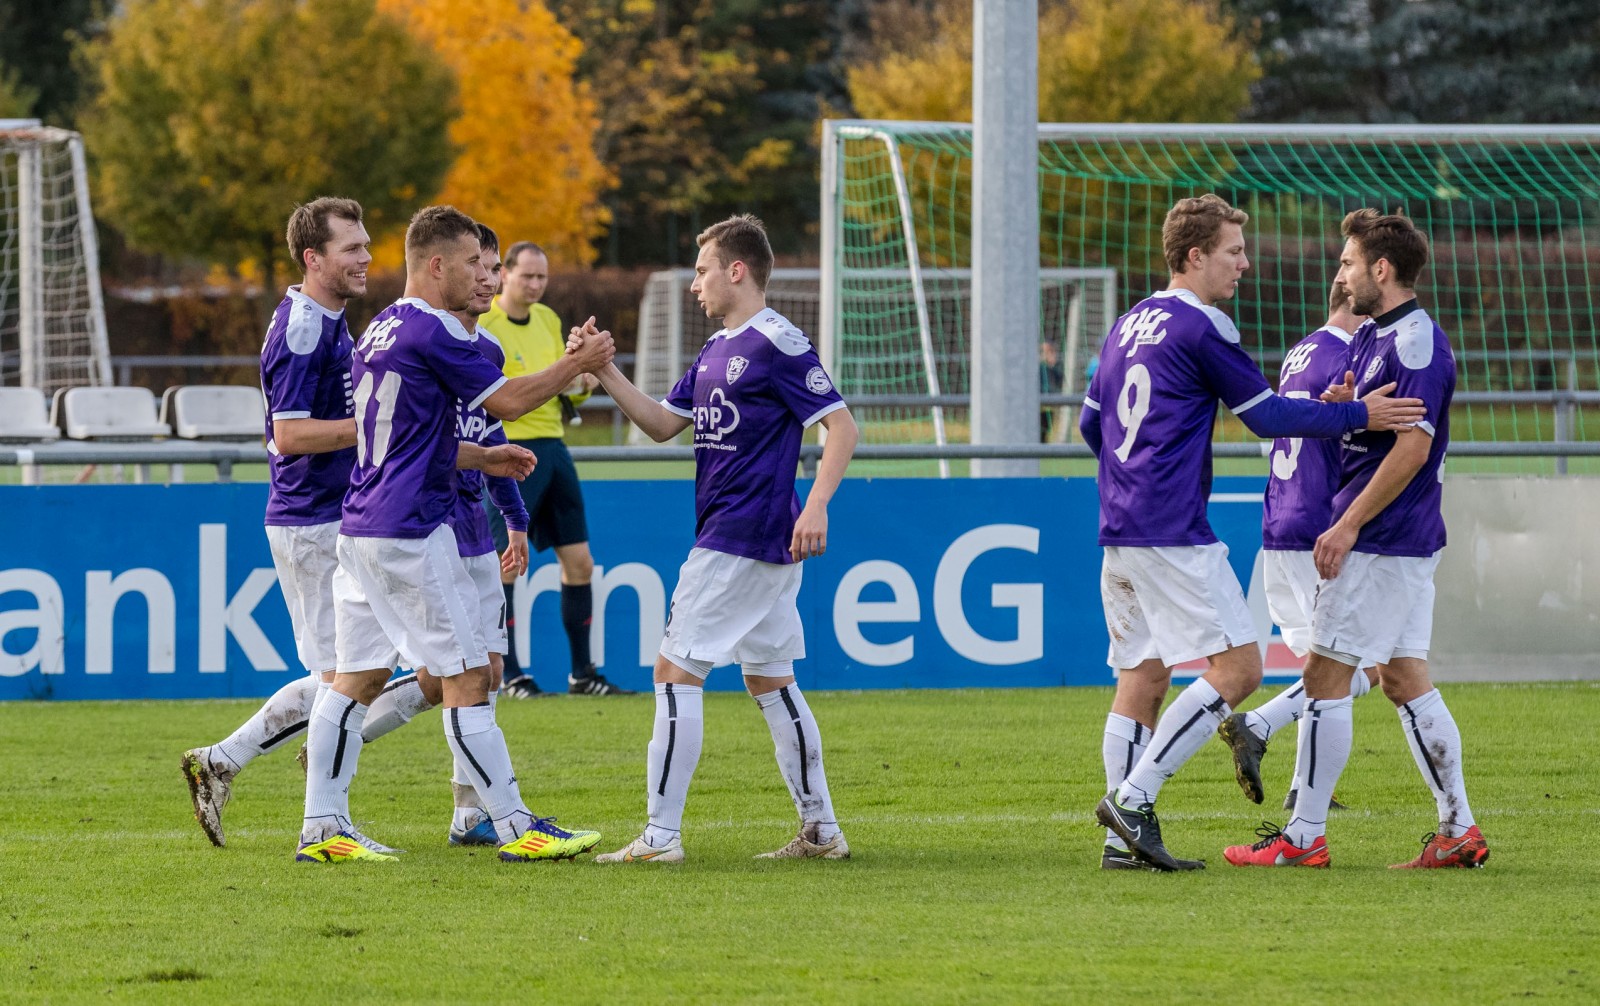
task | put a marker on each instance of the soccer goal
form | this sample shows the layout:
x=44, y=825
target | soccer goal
x=52, y=318
x=1511, y=211
x=921, y=348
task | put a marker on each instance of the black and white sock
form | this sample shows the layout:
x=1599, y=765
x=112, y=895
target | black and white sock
x=282, y=718
x=1120, y=747
x=673, y=753
x=400, y=701
x=1183, y=729
x=476, y=740
x=1436, y=745
x=333, y=745
x=1327, y=732
x=1360, y=685
x=1277, y=712
x=798, y=746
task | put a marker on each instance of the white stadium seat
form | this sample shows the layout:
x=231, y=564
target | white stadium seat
x=107, y=414
x=24, y=416
x=215, y=412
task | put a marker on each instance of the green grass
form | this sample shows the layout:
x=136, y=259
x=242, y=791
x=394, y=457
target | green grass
x=974, y=879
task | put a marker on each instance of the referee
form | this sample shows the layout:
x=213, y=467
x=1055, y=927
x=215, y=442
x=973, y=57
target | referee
x=533, y=338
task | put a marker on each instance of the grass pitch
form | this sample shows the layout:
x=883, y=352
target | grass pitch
x=974, y=879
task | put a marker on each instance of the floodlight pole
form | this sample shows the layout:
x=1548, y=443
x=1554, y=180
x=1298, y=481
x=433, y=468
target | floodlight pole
x=1005, y=231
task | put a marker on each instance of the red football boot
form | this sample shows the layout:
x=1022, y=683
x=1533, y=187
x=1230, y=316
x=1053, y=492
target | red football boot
x=1438, y=852
x=1275, y=850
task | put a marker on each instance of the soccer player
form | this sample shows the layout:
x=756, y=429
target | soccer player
x=1169, y=594
x=407, y=695
x=756, y=385
x=1299, y=506
x=305, y=378
x=532, y=337
x=400, y=587
x=311, y=437
x=1377, y=560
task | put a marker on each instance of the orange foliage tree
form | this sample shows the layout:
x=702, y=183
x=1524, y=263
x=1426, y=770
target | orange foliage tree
x=527, y=164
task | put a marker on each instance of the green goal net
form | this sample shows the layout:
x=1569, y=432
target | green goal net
x=1511, y=212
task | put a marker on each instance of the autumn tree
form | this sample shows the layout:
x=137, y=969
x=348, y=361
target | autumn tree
x=1099, y=61
x=528, y=165
x=212, y=119
x=706, y=107
x=36, y=44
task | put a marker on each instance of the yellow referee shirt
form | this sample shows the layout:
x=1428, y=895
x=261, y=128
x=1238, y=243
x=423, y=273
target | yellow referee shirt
x=530, y=347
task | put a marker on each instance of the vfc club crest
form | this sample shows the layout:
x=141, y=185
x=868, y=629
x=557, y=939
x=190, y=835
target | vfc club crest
x=736, y=367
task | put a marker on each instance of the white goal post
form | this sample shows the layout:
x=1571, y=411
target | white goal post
x=52, y=315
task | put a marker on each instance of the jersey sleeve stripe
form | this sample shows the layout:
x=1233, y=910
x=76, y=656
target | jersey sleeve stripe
x=1090, y=403
x=1252, y=403
x=491, y=389
x=685, y=413
x=830, y=407
x=291, y=415
x=1426, y=427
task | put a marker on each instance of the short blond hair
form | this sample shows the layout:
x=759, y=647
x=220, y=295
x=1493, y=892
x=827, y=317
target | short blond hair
x=1196, y=223
x=741, y=238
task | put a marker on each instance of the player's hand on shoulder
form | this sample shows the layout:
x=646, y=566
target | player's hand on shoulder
x=1385, y=413
x=1342, y=392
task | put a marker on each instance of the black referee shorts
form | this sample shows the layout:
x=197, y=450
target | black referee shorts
x=553, y=496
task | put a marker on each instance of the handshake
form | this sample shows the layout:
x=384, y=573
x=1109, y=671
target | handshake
x=591, y=348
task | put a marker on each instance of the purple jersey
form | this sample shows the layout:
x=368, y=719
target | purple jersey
x=750, y=394
x=1305, y=471
x=470, y=520
x=305, y=374
x=1407, y=347
x=410, y=366
x=1162, y=369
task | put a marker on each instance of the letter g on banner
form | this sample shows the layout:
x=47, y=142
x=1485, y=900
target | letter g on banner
x=1026, y=598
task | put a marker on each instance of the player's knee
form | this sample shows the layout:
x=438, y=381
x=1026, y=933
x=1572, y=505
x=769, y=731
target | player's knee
x=432, y=690
x=577, y=564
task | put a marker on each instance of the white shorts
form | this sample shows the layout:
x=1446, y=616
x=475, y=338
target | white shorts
x=406, y=598
x=1290, y=579
x=1379, y=607
x=306, y=558
x=731, y=608
x=1178, y=603
x=488, y=599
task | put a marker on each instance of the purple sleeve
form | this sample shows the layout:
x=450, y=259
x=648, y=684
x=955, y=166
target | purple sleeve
x=803, y=386
x=1429, y=383
x=1089, y=415
x=291, y=379
x=1276, y=416
x=463, y=370
x=507, y=498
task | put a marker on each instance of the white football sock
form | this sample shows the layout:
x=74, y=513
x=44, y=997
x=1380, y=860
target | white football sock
x=1123, y=742
x=1277, y=712
x=1436, y=745
x=400, y=701
x=673, y=753
x=1360, y=685
x=281, y=718
x=333, y=744
x=476, y=740
x=1327, y=732
x=798, y=746
x=1182, y=730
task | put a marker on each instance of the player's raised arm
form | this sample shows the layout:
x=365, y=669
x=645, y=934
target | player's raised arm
x=658, y=422
x=521, y=395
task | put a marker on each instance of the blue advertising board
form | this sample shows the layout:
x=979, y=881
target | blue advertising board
x=169, y=591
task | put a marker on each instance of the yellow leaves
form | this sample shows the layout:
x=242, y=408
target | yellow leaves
x=1099, y=61
x=527, y=165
